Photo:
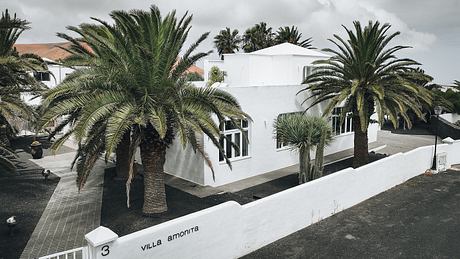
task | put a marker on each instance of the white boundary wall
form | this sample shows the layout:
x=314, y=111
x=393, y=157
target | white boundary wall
x=450, y=117
x=230, y=230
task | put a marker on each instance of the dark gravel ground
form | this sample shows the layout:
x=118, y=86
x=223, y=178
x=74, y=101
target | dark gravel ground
x=289, y=181
x=417, y=219
x=123, y=221
x=24, y=196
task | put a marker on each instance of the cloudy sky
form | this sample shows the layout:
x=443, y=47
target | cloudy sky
x=431, y=27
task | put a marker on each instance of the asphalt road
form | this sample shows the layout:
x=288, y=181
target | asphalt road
x=418, y=219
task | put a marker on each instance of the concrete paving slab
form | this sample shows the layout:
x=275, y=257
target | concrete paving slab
x=69, y=214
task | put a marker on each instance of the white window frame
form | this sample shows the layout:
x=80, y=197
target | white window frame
x=279, y=145
x=236, y=154
x=346, y=127
x=307, y=71
x=39, y=76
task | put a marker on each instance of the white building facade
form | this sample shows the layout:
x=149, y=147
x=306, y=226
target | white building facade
x=51, y=78
x=266, y=83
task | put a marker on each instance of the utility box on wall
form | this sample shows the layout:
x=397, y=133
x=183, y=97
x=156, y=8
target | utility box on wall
x=441, y=162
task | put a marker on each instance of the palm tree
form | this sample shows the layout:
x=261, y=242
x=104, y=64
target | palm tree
x=303, y=133
x=137, y=84
x=292, y=35
x=227, y=41
x=362, y=74
x=258, y=37
x=15, y=77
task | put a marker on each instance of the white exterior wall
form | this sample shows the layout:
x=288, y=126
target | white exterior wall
x=265, y=86
x=59, y=72
x=450, y=117
x=184, y=163
x=264, y=104
x=245, y=70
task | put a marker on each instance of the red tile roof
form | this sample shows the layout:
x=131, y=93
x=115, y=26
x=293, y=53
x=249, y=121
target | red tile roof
x=45, y=50
x=53, y=52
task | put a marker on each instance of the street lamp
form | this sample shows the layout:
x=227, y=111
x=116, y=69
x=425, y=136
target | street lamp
x=437, y=111
x=11, y=223
x=46, y=173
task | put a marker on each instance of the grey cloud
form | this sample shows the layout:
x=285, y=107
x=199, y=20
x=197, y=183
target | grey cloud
x=432, y=27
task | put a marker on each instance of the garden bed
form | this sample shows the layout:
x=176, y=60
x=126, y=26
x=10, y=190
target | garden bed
x=24, y=196
x=123, y=220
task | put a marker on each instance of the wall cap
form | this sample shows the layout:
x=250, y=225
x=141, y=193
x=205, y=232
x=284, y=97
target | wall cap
x=100, y=236
x=448, y=140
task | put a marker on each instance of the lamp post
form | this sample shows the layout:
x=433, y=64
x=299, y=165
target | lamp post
x=11, y=223
x=46, y=173
x=437, y=111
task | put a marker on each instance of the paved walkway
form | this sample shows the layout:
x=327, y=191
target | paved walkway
x=69, y=214
x=396, y=143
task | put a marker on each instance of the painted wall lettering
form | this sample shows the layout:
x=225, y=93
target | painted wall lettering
x=170, y=238
x=151, y=245
x=182, y=233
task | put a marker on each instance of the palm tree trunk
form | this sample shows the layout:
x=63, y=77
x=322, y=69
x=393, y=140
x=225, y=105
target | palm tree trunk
x=319, y=157
x=122, y=153
x=302, y=170
x=153, y=155
x=361, y=145
x=304, y=165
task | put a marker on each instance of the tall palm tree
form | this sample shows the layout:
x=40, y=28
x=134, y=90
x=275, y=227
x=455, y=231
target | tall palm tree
x=137, y=83
x=292, y=35
x=227, y=41
x=258, y=37
x=15, y=76
x=365, y=75
x=304, y=133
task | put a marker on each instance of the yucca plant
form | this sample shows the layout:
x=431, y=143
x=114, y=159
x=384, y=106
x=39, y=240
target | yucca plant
x=137, y=86
x=365, y=76
x=304, y=133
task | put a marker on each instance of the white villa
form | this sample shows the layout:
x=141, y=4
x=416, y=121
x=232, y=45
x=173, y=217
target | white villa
x=266, y=83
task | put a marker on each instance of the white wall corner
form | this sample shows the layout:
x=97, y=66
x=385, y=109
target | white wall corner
x=100, y=236
x=448, y=140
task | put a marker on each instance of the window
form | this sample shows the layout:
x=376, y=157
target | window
x=337, y=127
x=280, y=144
x=231, y=133
x=42, y=76
x=307, y=71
